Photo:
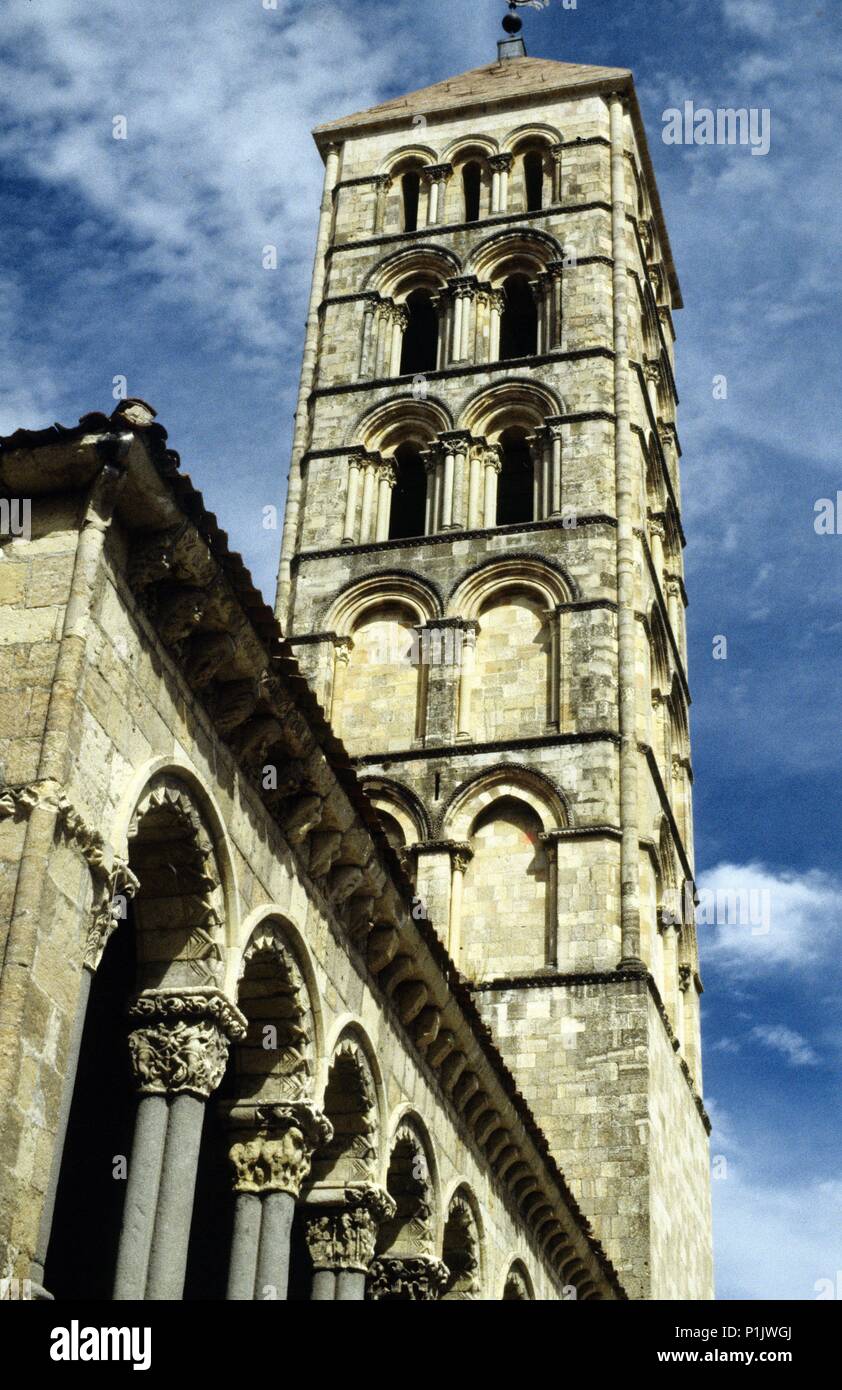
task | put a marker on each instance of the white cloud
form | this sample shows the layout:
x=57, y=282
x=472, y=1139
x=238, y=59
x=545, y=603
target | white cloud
x=793, y=1046
x=775, y=1240
x=755, y=919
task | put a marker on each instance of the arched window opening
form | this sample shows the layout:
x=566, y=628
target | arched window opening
x=411, y=191
x=471, y=189
x=421, y=335
x=515, y=499
x=533, y=178
x=460, y=1252
x=409, y=496
x=519, y=327
x=517, y=1286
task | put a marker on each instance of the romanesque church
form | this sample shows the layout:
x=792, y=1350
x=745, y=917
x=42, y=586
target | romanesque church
x=348, y=948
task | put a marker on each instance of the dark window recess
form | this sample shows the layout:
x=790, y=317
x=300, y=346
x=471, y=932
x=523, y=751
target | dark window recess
x=411, y=187
x=82, y=1255
x=519, y=328
x=471, y=185
x=533, y=174
x=421, y=335
x=514, y=488
x=409, y=495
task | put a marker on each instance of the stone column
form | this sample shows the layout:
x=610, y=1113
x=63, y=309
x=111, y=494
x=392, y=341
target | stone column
x=668, y=436
x=367, y=514
x=370, y=302
x=387, y=476
x=652, y=372
x=437, y=176
x=538, y=294
x=385, y=329
x=549, y=840
x=400, y=319
x=475, y=484
x=460, y=857
x=492, y=464
x=675, y=608
x=555, y=435
x=497, y=303
x=500, y=165
x=271, y=1157
x=341, y=1237
x=554, y=304
x=431, y=509
x=447, y=492
x=342, y=648
x=657, y=535
x=407, y=1278
x=179, y=1049
x=382, y=184
x=467, y=675
x=540, y=473
x=356, y=465
x=557, y=152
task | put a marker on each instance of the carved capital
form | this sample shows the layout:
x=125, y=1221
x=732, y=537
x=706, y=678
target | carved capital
x=344, y=1237
x=179, y=1044
x=408, y=1279
x=276, y=1155
x=685, y=976
x=500, y=163
x=120, y=885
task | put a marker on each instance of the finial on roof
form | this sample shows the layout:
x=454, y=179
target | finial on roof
x=513, y=46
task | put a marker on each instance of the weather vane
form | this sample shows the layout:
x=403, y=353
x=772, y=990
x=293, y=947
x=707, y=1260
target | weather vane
x=511, y=22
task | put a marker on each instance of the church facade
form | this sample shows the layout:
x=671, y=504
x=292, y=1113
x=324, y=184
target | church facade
x=349, y=950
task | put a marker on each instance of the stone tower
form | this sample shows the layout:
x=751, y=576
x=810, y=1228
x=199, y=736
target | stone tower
x=481, y=573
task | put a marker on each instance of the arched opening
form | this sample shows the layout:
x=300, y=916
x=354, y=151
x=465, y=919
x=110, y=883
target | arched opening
x=519, y=325
x=504, y=908
x=409, y=495
x=408, y=1182
x=85, y=1234
x=460, y=1252
x=410, y=192
x=472, y=189
x=517, y=1285
x=515, y=488
x=171, y=937
x=350, y=1105
x=421, y=335
x=533, y=178
x=394, y=832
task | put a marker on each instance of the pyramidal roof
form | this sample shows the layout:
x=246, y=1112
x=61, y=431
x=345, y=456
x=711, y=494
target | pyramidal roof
x=503, y=81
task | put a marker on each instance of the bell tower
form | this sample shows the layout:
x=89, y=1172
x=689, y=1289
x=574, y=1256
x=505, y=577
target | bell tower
x=482, y=575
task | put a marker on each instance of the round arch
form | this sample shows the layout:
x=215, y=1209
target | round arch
x=270, y=917
x=520, y=251
x=400, y=590
x=534, y=132
x=469, y=147
x=403, y=419
x=513, y=574
x=517, y=1283
x=461, y=1194
x=418, y=267
x=348, y=1038
x=513, y=402
x=402, y=805
x=406, y=1118
x=506, y=782
x=406, y=157
x=211, y=815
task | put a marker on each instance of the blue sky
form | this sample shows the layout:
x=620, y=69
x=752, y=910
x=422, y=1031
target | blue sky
x=142, y=258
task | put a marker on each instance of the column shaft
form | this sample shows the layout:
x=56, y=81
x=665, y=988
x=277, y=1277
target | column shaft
x=272, y=1278
x=243, y=1266
x=168, y=1256
x=349, y=528
x=141, y=1201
